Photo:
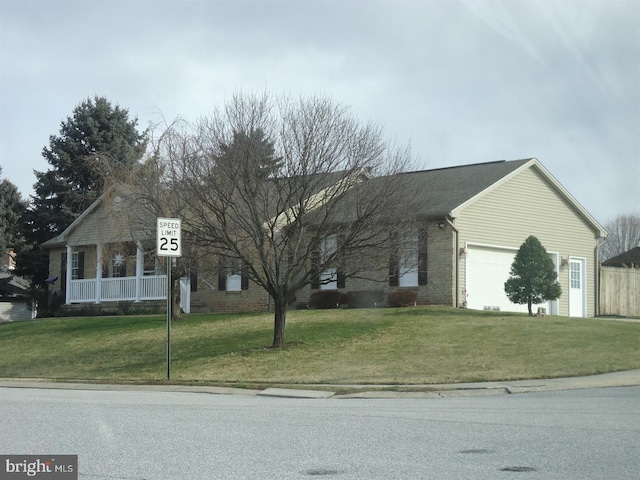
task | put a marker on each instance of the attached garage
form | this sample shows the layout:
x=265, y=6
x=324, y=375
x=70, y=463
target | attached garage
x=487, y=269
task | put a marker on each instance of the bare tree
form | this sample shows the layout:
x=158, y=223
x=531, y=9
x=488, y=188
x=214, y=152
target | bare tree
x=265, y=181
x=624, y=234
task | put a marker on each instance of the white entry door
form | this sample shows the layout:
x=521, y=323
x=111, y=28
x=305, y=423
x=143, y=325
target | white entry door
x=576, y=288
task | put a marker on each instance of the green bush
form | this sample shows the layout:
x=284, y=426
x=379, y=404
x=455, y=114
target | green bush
x=365, y=298
x=402, y=298
x=324, y=299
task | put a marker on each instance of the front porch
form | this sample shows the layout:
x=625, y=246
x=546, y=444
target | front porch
x=111, y=276
x=136, y=289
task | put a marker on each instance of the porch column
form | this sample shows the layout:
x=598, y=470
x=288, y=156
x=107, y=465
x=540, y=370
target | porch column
x=68, y=285
x=98, y=272
x=139, y=270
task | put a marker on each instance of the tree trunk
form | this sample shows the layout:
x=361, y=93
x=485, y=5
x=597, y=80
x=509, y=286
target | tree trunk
x=280, y=308
x=530, y=310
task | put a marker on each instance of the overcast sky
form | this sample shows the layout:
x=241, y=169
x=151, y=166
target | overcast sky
x=465, y=81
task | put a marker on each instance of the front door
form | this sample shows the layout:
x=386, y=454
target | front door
x=576, y=288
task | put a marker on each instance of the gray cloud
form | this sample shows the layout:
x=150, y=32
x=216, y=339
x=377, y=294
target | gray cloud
x=463, y=81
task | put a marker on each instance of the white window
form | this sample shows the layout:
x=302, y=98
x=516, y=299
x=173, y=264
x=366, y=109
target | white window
x=234, y=276
x=151, y=264
x=75, y=266
x=329, y=277
x=118, y=266
x=575, y=275
x=408, y=267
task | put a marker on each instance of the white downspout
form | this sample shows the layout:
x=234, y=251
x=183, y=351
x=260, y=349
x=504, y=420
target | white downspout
x=98, y=272
x=68, y=281
x=139, y=270
x=599, y=242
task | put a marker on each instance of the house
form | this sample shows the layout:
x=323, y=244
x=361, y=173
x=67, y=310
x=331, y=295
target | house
x=98, y=259
x=474, y=219
x=8, y=260
x=628, y=259
x=470, y=222
x=15, y=301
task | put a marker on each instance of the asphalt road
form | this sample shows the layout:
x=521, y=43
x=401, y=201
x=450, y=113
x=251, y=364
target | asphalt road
x=580, y=434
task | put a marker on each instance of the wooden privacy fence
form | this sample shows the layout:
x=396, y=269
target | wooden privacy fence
x=620, y=291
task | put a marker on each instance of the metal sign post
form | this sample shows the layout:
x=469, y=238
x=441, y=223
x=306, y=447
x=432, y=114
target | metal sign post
x=169, y=245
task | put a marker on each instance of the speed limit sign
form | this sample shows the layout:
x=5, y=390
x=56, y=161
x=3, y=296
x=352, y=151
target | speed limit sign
x=169, y=237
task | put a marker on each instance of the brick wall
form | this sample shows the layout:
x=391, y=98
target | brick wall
x=441, y=265
x=208, y=299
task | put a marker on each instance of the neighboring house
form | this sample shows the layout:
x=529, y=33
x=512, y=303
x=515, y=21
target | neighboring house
x=15, y=303
x=8, y=261
x=470, y=222
x=628, y=259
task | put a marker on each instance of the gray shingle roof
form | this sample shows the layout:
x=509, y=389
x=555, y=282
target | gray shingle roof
x=625, y=260
x=442, y=190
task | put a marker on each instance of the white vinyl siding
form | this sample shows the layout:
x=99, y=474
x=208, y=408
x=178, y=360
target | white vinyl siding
x=103, y=225
x=524, y=205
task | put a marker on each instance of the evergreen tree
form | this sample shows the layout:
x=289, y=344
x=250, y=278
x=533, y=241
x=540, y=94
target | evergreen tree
x=12, y=206
x=533, y=276
x=96, y=138
x=250, y=154
x=93, y=141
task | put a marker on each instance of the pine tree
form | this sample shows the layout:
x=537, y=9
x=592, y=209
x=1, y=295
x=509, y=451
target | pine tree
x=93, y=141
x=533, y=277
x=95, y=138
x=250, y=154
x=12, y=206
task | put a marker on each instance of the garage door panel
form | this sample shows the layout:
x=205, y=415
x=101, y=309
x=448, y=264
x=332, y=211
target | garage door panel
x=487, y=270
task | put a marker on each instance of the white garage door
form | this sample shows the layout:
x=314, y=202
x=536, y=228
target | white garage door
x=487, y=270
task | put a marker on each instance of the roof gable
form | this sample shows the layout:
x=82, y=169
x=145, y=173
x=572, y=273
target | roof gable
x=448, y=191
x=441, y=191
x=61, y=239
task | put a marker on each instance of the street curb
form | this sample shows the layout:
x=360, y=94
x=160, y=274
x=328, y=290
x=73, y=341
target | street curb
x=627, y=378
x=294, y=393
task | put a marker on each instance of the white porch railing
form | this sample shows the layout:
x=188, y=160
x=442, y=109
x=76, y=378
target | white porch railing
x=152, y=287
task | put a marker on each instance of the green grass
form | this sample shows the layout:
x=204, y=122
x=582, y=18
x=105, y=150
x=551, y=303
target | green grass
x=368, y=346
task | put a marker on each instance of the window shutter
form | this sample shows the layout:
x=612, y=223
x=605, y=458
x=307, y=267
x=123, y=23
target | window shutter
x=63, y=272
x=193, y=280
x=80, y=265
x=244, y=282
x=342, y=279
x=315, y=270
x=222, y=281
x=393, y=262
x=423, y=242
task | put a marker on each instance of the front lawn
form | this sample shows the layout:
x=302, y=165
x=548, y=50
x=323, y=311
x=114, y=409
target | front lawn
x=419, y=345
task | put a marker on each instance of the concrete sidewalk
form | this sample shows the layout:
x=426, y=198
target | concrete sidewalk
x=616, y=379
